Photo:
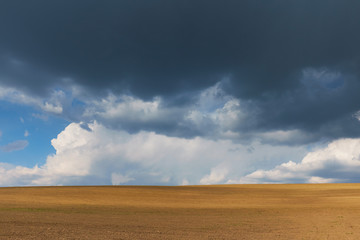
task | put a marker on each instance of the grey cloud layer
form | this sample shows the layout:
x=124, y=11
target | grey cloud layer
x=294, y=63
x=14, y=146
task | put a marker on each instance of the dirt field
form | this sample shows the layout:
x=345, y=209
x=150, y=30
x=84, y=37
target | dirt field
x=329, y=211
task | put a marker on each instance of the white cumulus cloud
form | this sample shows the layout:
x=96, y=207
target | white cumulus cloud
x=102, y=155
x=217, y=175
x=53, y=104
x=339, y=161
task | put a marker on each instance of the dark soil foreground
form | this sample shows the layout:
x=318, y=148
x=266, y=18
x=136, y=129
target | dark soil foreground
x=313, y=211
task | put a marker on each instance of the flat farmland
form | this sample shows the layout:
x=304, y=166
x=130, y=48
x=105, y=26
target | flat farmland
x=286, y=211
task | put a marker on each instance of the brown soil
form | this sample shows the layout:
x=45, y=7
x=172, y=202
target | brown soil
x=312, y=211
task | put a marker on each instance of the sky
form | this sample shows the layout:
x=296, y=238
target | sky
x=179, y=92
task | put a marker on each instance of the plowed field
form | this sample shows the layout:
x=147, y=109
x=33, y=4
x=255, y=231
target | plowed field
x=294, y=211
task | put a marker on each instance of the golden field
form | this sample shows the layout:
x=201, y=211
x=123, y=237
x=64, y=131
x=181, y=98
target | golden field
x=284, y=211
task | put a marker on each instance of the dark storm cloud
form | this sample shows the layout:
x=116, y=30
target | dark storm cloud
x=167, y=48
x=180, y=44
x=314, y=108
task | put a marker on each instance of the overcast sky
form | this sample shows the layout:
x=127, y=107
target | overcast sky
x=179, y=92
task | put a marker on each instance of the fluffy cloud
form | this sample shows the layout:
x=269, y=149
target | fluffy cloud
x=106, y=156
x=212, y=112
x=52, y=104
x=339, y=161
x=218, y=115
x=11, y=175
x=133, y=114
x=217, y=175
x=102, y=155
